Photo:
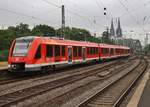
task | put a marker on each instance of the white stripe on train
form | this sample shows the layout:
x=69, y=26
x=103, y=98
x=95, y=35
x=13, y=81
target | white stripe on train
x=66, y=62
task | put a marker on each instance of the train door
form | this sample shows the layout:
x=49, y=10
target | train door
x=99, y=52
x=69, y=54
x=83, y=53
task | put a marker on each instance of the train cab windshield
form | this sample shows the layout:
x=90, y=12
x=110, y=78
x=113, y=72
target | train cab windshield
x=21, y=46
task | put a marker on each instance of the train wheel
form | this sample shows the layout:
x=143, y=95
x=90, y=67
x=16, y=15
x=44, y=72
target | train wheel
x=53, y=67
x=46, y=69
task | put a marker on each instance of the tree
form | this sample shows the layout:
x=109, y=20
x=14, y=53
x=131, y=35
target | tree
x=43, y=30
x=6, y=38
x=22, y=30
x=106, y=37
x=74, y=33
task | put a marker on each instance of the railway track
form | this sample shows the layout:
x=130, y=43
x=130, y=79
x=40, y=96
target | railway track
x=8, y=99
x=17, y=78
x=3, y=71
x=72, y=97
x=113, y=94
x=6, y=78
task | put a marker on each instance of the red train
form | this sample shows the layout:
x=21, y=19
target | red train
x=34, y=53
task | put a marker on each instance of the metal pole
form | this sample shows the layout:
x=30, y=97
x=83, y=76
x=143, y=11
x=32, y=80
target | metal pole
x=63, y=22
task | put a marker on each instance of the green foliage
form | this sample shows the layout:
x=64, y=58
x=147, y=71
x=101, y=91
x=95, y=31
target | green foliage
x=43, y=30
x=74, y=33
x=8, y=35
x=93, y=39
x=22, y=30
x=6, y=38
x=3, y=55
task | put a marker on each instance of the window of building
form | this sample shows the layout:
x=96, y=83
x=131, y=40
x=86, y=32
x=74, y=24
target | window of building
x=49, y=51
x=38, y=53
x=57, y=50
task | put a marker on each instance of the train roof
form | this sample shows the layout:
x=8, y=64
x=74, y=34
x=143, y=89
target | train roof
x=68, y=42
x=57, y=41
x=113, y=46
x=26, y=37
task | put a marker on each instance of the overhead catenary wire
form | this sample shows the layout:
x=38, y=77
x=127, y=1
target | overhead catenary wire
x=135, y=9
x=25, y=15
x=83, y=15
x=71, y=11
x=90, y=19
x=122, y=4
x=78, y=8
x=67, y=9
x=101, y=5
x=52, y=4
x=144, y=18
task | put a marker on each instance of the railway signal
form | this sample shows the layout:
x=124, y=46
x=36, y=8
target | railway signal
x=105, y=11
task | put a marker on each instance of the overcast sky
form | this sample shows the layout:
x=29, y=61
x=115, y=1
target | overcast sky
x=134, y=14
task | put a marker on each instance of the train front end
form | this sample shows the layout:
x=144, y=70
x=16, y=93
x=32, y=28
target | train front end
x=19, y=54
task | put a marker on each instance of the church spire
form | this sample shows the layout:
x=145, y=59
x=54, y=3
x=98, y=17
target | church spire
x=119, y=30
x=112, y=31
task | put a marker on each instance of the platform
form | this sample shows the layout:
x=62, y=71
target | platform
x=3, y=65
x=141, y=96
x=145, y=98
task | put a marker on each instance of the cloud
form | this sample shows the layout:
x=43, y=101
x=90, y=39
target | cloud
x=79, y=13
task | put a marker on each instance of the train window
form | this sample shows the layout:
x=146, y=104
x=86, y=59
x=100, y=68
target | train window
x=63, y=50
x=102, y=50
x=117, y=51
x=127, y=51
x=75, y=51
x=112, y=51
x=21, y=46
x=91, y=51
x=49, y=51
x=105, y=50
x=80, y=51
x=88, y=50
x=38, y=53
x=57, y=50
x=121, y=50
x=96, y=50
